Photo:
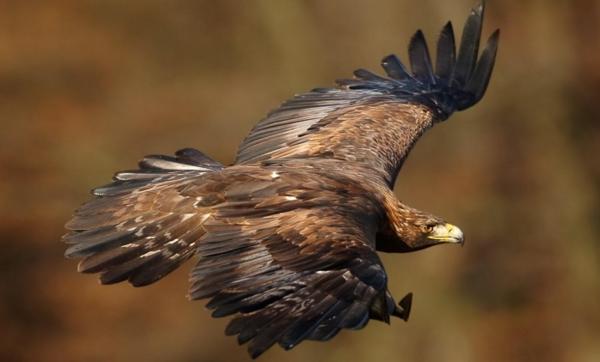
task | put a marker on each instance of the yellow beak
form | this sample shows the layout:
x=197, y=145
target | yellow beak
x=447, y=233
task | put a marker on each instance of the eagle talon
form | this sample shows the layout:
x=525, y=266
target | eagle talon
x=402, y=310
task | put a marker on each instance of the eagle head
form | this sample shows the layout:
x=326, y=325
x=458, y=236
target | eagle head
x=415, y=230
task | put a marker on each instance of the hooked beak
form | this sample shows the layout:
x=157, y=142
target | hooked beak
x=447, y=233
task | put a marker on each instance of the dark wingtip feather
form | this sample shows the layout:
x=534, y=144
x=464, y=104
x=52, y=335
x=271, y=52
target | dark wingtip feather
x=254, y=353
x=469, y=46
x=192, y=156
x=459, y=80
x=258, y=346
x=394, y=68
x=367, y=75
x=184, y=159
x=420, y=61
x=446, y=54
x=483, y=71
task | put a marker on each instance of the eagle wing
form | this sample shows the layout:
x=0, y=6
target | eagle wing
x=375, y=119
x=141, y=226
x=305, y=275
x=290, y=253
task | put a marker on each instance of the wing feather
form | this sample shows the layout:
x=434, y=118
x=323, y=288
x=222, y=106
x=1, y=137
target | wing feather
x=394, y=68
x=481, y=76
x=298, y=278
x=347, y=122
x=446, y=54
x=141, y=226
x=469, y=46
x=420, y=60
x=290, y=256
x=291, y=119
x=283, y=248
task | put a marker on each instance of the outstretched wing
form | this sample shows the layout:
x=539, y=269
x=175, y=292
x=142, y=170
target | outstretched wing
x=284, y=249
x=375, y=119
x=141, y=226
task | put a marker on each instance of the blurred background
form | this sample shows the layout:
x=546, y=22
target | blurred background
x=89, y=87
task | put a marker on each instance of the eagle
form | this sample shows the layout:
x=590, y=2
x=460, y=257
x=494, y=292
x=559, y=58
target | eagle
x=286, y=238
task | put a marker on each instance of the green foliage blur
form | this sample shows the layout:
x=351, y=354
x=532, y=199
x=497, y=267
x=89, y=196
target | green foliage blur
x=89, y=87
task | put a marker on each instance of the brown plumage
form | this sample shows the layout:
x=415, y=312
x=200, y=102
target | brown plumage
x=286, y=238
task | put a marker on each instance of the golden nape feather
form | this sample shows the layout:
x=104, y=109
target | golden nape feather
x=286, y=238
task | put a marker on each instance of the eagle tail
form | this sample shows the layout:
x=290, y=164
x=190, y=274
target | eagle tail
x=122, y=236
x=458, y=81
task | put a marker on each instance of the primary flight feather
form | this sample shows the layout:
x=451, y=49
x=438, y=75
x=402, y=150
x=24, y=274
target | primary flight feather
x=286, y=237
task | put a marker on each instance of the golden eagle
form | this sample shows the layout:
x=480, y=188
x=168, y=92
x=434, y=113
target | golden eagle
x=286, y=237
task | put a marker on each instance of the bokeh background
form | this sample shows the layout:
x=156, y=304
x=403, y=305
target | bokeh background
x=89, y=87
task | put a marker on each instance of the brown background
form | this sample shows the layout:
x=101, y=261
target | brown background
x=88, y=87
